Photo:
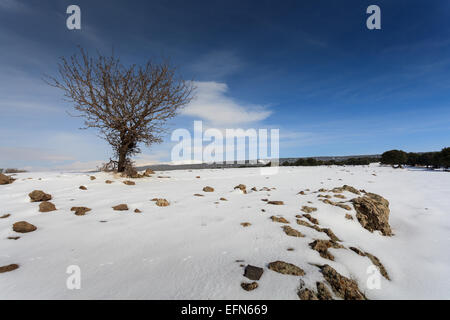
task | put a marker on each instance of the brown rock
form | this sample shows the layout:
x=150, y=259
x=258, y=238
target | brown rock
x=5, y=216
x=39, y=195
x=286, y=268
x=340, y=196
x=208, y=189
x=330, y=233
x=80, y=211
x=46, y=206
x=252, y=272
x=343, y=287
x=246, y=224
x=346, y=188
x=254, y=189
x=292, y=232
x=121, y=207
x=199, y=195
x=137, y=210
x=249, y=286
x=277, y=203
x=129, y=183
x=223, y=199
x=83, y=188
x=9, y=268
x=322, y=292
x=4, y=179
x=378, y=263
x=108, y=181
x=322, y=246
x=241, y=187
x=326, y=196
x=307, y=209
x=302, y=193
x=313, y=220
x=348, y=216
x=23, y=227
x=13, y=238
x=148, y=172
x=162, y=202
x=92, y=177
x=306, y=294
x=372, y=212
x=279, y=219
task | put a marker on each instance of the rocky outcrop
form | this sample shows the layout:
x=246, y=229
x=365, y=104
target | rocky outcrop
x=322, y=246
x=372, y=212
x=286, y=268
x=292, y=232
x=343, y=287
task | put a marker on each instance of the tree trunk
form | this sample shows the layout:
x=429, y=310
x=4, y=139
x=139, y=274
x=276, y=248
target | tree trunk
x=122, y=160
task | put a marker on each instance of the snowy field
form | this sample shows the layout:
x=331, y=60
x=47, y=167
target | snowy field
x=196, y=247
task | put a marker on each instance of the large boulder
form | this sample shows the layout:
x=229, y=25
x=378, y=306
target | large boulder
x=4, y=179
x=372, y=212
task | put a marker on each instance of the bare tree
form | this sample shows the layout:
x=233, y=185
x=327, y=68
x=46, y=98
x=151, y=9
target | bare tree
x=128, y=105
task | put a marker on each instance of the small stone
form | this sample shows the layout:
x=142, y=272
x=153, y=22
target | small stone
x=39, y=195
x=5, y=216
x=277, y=203
x=120, y=207
x=241, y=187
x=46, y=206
x=80, y=211
x=199, y=195
x=348, y=216
x=249, y=286
x=92, y=177
x=223, y=199
x=108, y=181
x=162, y=202
x=307, y=209
x=137, y=210
x=279, y=219
x=129, y=183
x=9, y=268
x=286, y=268
x=83, y=188
x=208, y=189
x=13, y=238
x=23, y=227
x=292, y=232
x=252, y=272
x=246, y=224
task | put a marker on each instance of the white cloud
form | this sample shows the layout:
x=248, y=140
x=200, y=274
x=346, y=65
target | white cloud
x=214, y=106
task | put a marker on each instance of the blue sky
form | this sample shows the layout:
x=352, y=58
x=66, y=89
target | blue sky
x=310, y=68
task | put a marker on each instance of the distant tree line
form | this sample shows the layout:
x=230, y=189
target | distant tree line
x=307, y=162
x=434, y=160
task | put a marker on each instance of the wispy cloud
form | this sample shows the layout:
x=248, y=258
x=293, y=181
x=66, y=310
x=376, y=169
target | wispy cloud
x=213, y=105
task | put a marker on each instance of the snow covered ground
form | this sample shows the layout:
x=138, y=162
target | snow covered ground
x=189, y=249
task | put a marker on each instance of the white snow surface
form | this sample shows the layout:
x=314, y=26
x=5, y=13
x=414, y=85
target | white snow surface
x=189, y=249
